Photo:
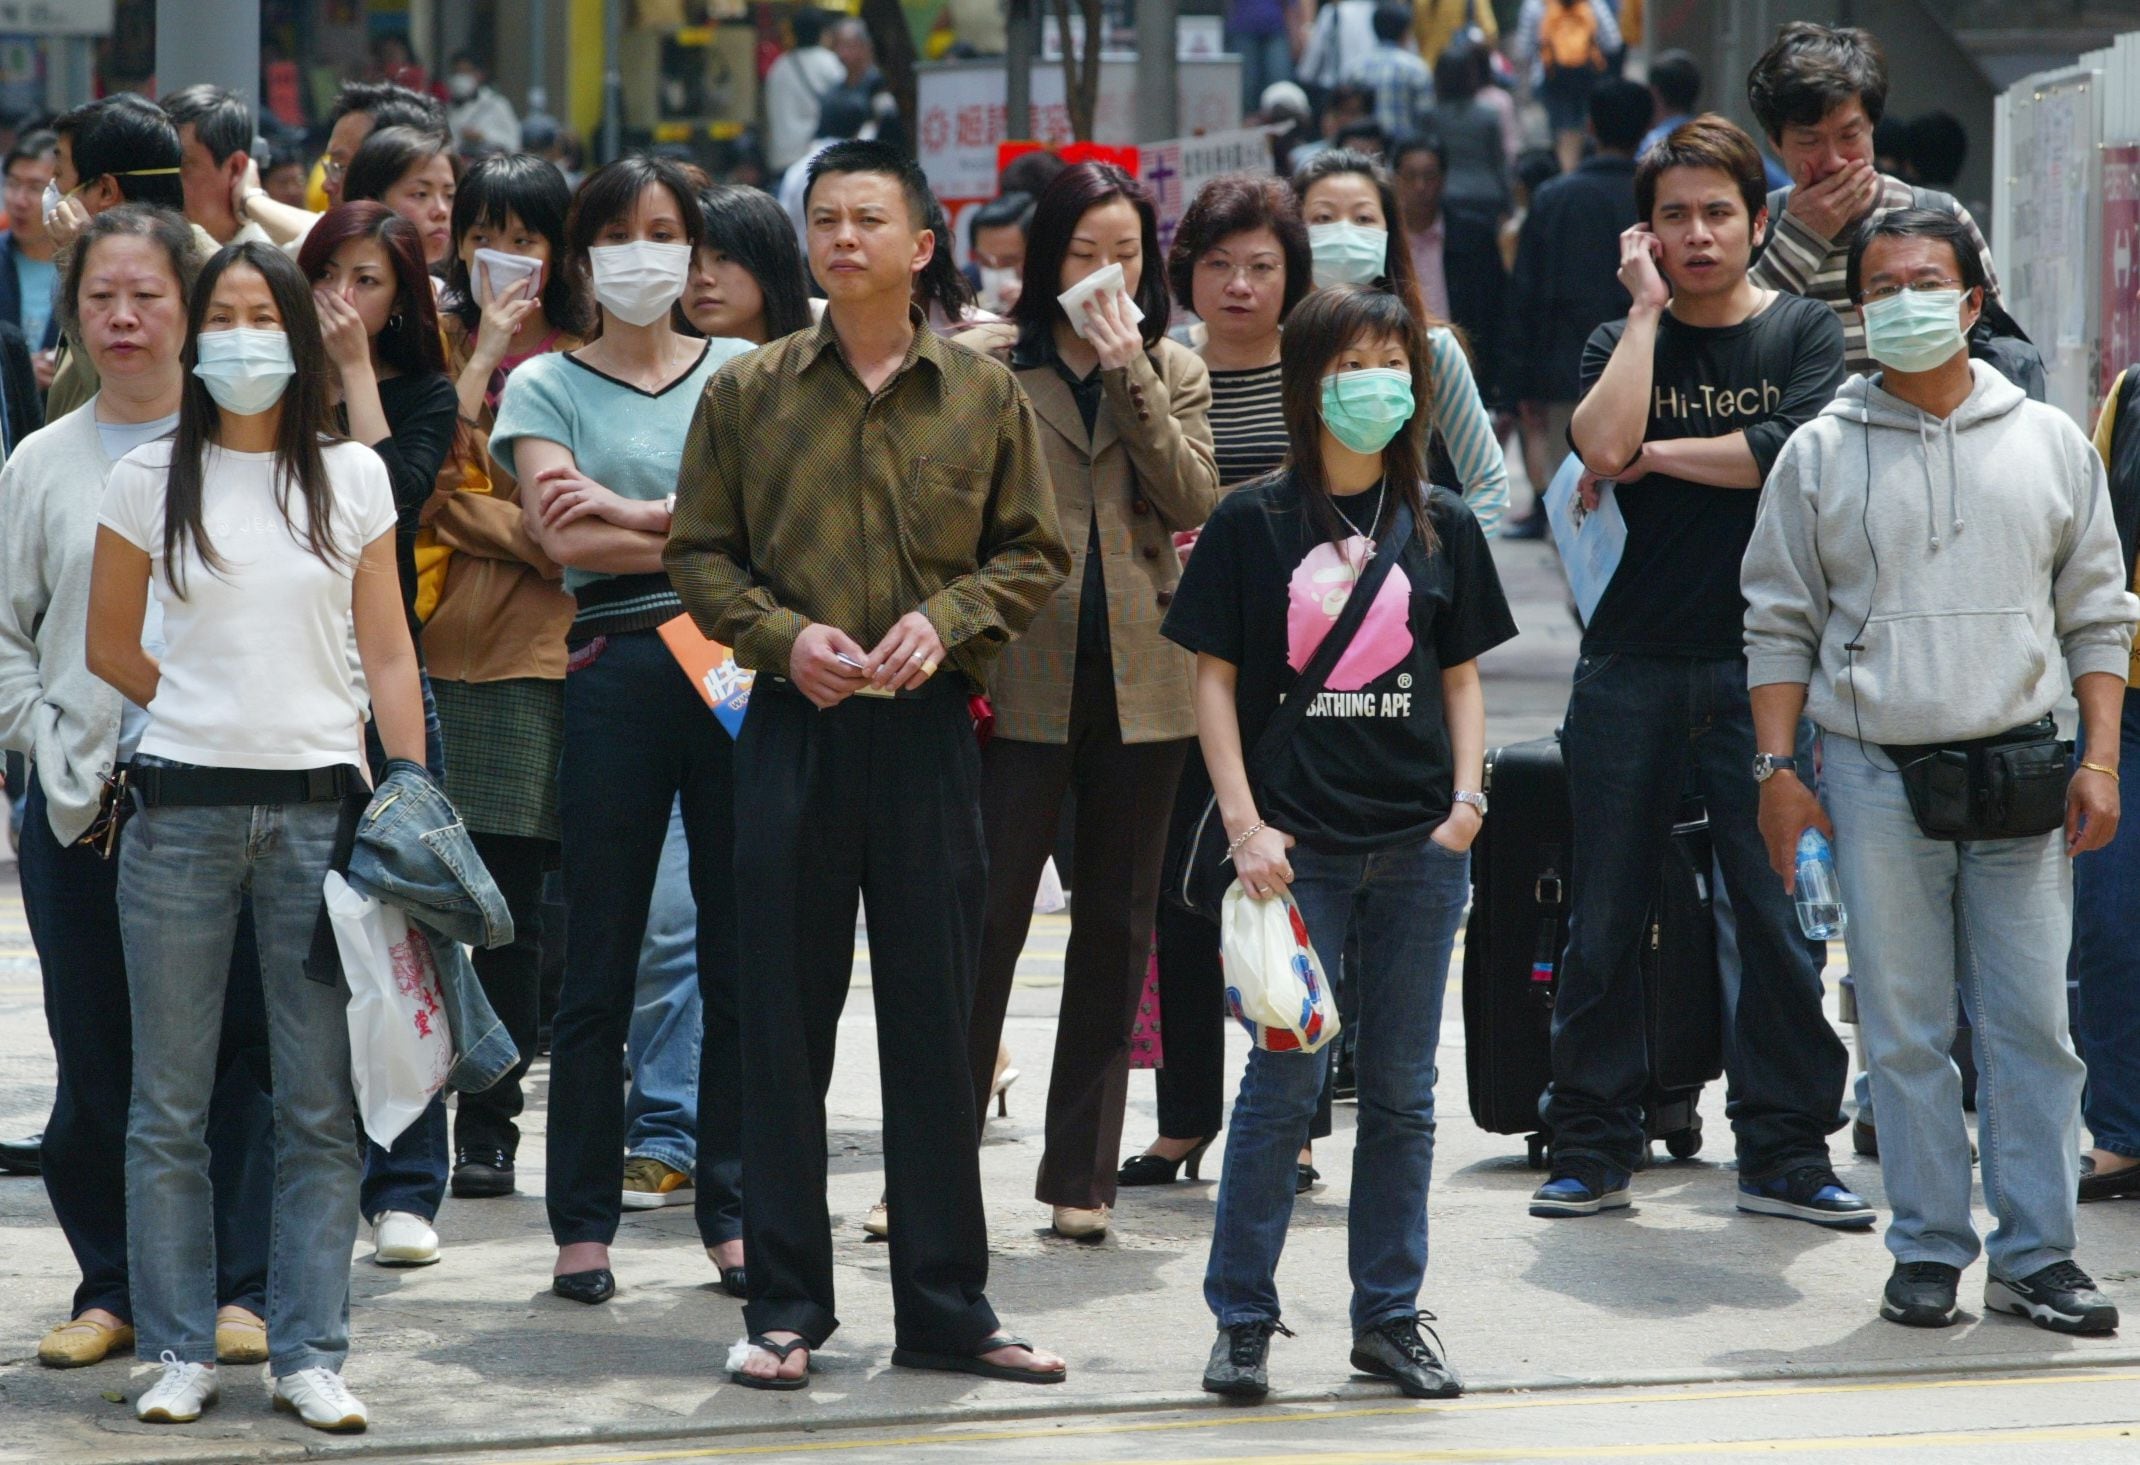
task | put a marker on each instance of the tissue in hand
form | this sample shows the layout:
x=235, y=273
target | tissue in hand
x=1073, y=299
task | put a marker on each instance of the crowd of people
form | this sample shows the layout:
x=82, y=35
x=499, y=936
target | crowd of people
x=409, y=500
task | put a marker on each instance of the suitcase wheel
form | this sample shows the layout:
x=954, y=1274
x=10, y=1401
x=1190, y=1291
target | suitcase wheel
x=1686, y=1143
x=1535, y=1151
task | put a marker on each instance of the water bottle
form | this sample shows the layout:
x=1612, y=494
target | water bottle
x=1819, y=894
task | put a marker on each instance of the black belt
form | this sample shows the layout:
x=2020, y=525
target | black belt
x=161, y=786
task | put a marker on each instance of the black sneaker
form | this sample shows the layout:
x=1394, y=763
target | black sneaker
x=2061, y=1297
x=479, y=1173
x=1239, y=1365
x=1809, y=1193
x=1394, y=1350
x=1921, y=1295
x=1581, y=1187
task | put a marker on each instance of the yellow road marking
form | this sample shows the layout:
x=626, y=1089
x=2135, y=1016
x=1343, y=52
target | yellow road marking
x=1229, y=1420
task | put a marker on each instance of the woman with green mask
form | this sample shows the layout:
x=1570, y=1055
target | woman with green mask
x=1362, y=811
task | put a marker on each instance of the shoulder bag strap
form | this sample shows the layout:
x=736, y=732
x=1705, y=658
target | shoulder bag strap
x=1309, y=685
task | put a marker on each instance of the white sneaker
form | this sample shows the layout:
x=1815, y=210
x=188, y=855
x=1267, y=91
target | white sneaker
x=320, y=1398
x=400, y=1239
x=180, y=1395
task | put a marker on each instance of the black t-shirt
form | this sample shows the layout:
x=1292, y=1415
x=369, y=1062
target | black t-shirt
x=1676, y=592
x=1369, y=766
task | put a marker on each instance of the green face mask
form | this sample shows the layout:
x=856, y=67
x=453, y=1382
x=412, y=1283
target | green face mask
x=1365, y=409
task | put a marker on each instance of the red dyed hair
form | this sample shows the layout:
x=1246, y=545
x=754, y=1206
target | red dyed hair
x=412, y=345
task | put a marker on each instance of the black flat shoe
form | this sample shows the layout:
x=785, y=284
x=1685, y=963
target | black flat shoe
x=598, y=1285
x=2096, y=1185
x=1159, y=1170
x=1304, y=1178
x=735, y=1282
x=24, y=1156
x=479, y=1174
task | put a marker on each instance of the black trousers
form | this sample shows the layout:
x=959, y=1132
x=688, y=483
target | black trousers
x=637, y=737
x=71, y=896
x=875, y=799
x=512, y=978
x=1124, y=794
x=1192, y=991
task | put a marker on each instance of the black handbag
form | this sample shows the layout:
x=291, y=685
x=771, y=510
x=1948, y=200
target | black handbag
x=2008, y=786
x=1206, y=866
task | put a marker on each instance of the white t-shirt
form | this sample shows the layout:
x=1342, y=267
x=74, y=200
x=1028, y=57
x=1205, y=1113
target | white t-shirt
x=256, y=672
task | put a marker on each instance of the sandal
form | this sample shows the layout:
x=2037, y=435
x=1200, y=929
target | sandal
x=978, y=1365
x=781, y=1352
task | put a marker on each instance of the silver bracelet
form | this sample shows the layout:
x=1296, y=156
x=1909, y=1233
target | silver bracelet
x=1246, y=835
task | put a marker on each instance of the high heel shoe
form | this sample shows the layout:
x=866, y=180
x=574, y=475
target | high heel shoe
x=1000, y=1089
x=1159, y=1170
x=598, y=1285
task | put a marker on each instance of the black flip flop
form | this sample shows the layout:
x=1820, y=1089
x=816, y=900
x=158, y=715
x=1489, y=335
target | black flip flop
x=977, y=1365
x=781, y=1352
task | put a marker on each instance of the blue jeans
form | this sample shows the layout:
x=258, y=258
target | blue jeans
x=1998, y=916
x=2106, y=962
x=1404, y=905
x=1264, y=59
x=1640, y=731
x=183, y=873
x=668, y=1026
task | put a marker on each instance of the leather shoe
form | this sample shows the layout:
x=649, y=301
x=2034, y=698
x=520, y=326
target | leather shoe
x=2096, y=1186
x=84, y=1341
x=481, y=1173
x=25, y=1156
x=598, y=1285
x=1081, y=1223
x=240, y=1336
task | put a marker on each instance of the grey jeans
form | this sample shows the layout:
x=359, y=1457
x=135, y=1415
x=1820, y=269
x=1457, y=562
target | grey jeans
x=183, y=872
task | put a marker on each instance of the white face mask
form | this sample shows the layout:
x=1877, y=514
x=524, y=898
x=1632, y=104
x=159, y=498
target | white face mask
x=460, y=86
x=638, y=282
x=494, y=272
x=1111, y=280
x=999, y=287
x=246, y=371
x=1348, y=254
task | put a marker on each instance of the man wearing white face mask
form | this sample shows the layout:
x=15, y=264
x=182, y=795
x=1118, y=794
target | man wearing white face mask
x=1935, y=563
x=480, y=116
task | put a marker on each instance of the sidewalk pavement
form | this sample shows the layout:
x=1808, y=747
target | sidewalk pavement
x=476, y=1351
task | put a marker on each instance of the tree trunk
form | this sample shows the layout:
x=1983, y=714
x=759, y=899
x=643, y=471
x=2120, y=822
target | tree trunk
x=1081, y=74
x=896, y=56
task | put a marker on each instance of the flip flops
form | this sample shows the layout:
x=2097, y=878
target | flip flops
x=779, y=1351
x=978, y=1365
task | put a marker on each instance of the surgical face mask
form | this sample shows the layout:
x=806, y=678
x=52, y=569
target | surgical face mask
x=1111, y=280
x=1348, y=254
x=245, y=370
x=1365, y=409
x=639, y=282
x=460, y=86
x=1914, y=330
x=999, y=287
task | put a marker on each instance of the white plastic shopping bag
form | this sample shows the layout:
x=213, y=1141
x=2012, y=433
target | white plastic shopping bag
x=1274, y=983
x=399, y=1048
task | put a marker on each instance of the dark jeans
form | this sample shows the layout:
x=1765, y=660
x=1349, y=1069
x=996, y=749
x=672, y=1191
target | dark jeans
x=1124, y=794
x=637, y=736
x=1191, y=1079
x=876, y=800
x=70, y=895
x=511, y=976
x=411, y=1175
x=1638, y=728
x=2106, y=964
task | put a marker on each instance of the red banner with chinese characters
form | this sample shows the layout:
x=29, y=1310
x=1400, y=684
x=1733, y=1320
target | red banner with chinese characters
x=2120, y=343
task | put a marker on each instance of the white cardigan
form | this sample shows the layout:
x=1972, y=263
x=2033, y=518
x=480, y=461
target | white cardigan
x=51, y=706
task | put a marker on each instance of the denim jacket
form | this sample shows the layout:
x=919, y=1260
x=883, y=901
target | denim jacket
x=413, y=853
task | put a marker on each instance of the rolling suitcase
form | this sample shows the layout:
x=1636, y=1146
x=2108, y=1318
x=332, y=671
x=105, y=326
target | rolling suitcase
x=1518, y=931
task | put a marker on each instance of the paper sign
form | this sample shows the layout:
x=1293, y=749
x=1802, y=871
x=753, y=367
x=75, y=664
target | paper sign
x=712, y=669
x=1590, y=541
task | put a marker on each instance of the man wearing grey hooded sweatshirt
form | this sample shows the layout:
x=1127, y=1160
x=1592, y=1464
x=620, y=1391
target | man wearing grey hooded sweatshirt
x=1929, y=550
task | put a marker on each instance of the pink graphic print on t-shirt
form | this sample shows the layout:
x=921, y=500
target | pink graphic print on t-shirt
x=1316, y=596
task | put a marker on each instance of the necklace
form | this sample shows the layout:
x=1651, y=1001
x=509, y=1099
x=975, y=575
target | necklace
x=1380, y=489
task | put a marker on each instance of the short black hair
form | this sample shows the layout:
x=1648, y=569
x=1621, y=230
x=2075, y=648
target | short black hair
x=222, y=122
x=1938, y=145
x=125, y=137
x=1352, y=93
x=1677, y=80
x=1404, y=145
x=809, y=26
x=1536, y=167
x=1005, y=211
x=1030, y=173
x=31, y=147
x=855, y=155
x=1393, y=20
x=1363, y=136
x=292, y=151
x=1809, y=70
x=1620, y=112
x=1917, y=224
x=388, y=105
x=1456, y=74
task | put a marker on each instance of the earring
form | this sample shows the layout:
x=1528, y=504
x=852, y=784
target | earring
x=393, y=322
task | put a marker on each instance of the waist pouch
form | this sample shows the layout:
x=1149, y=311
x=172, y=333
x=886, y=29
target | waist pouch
x=2008, y=786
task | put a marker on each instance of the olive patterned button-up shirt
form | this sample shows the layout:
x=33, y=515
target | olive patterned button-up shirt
x=803, y=497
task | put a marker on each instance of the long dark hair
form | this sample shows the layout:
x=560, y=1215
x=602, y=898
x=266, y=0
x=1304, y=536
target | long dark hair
x=1316, y=334
x=751, y=228
x=409, y=341
x=1056, y=212
x=1399, y=276
x=306, y=422
x=611, y=192
x=531, y=189
x=941, y=282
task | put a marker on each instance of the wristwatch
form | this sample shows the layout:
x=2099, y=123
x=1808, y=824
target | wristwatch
x=1476, y=800
x=1768, y=765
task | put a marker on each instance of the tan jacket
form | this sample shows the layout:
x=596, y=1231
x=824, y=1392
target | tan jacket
x=502, y=612
x=1148, y=472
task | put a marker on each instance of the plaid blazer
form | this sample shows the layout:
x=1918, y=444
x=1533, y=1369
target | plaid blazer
x=1146, y=471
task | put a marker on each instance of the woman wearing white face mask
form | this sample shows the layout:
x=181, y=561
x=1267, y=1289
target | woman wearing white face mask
x=1356, y=233
x=594, y=437
x=262, y=534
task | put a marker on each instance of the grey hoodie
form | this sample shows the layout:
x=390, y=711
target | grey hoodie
x=1984, y=554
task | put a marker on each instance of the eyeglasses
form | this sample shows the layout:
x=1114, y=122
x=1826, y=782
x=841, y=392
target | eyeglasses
x=1258, y=271
x=331, y=171
x=1879, y=293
